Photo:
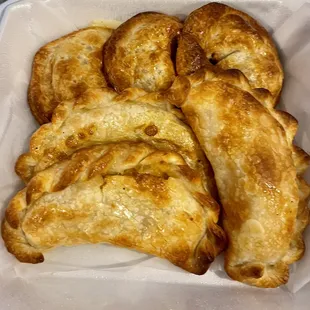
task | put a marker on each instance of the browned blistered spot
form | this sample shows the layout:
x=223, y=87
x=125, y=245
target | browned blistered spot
x=100, y=165
x=62, y=156
x=63, y=67
x=189, y=173
x=81, y=135
x=91, y=129
x=229, y=142
x=124, y=240
x=151, y=130
x=235, y=118
x=53, y=154
x=154, y=185
x=92, y=38
x=78, y=89
x=86, y=131
x=190, y=55
x=179, y=254
x=71, y=142
x=131, y=171
x=165, y=176
x=72, y=172
x=96, y=57
x=50, y=152
x=263, y=164
x=252, y=271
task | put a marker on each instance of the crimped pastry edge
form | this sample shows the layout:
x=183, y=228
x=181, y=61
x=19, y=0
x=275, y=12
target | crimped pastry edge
x=258, y=274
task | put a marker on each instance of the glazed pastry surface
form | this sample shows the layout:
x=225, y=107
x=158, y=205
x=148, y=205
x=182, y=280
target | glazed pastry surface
x=128, y=194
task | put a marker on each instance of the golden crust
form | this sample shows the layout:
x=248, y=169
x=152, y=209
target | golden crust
x=15, y=243
x=249, y=144
x=65, y=68
x=85, y=199
x=190, y=56
x=138, y=54
x=102, y=116
x=297, y=246
x=232, y=39
x=290, y=125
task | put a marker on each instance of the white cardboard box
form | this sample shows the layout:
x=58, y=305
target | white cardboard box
x=103, y=276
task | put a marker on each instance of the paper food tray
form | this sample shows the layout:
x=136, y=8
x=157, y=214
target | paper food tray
x=107, y=277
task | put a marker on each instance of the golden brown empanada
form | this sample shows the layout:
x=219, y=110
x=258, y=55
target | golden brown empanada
x=231, y=39
x=139, y=53
x=102, y=116
x=127, y=194
x=249, y=146
x=65, y=68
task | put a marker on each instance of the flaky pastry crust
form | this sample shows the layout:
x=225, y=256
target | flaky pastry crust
x=257, y=169
x=63, y=69
x=103, y=116
x=231, y=39
x=128, y=194
x=139, y=53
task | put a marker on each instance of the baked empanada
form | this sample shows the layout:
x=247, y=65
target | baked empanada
x=102, y=116
x=231, y=39
x=65, y=68
x=127, y=194
x=250, y=149
x=139, y=53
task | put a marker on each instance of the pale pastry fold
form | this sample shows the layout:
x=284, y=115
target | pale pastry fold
x=257, y=170
x=140, y=52
x=63, y=69
x=128, y=194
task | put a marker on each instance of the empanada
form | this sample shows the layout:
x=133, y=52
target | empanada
x=140, y=51
x=65, y=68
x=127, y=194
x=250, y=149
x=231, y=39
x=102, y=116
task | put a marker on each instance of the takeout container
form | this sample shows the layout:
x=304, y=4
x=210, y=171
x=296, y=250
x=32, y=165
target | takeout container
x=107, y=277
